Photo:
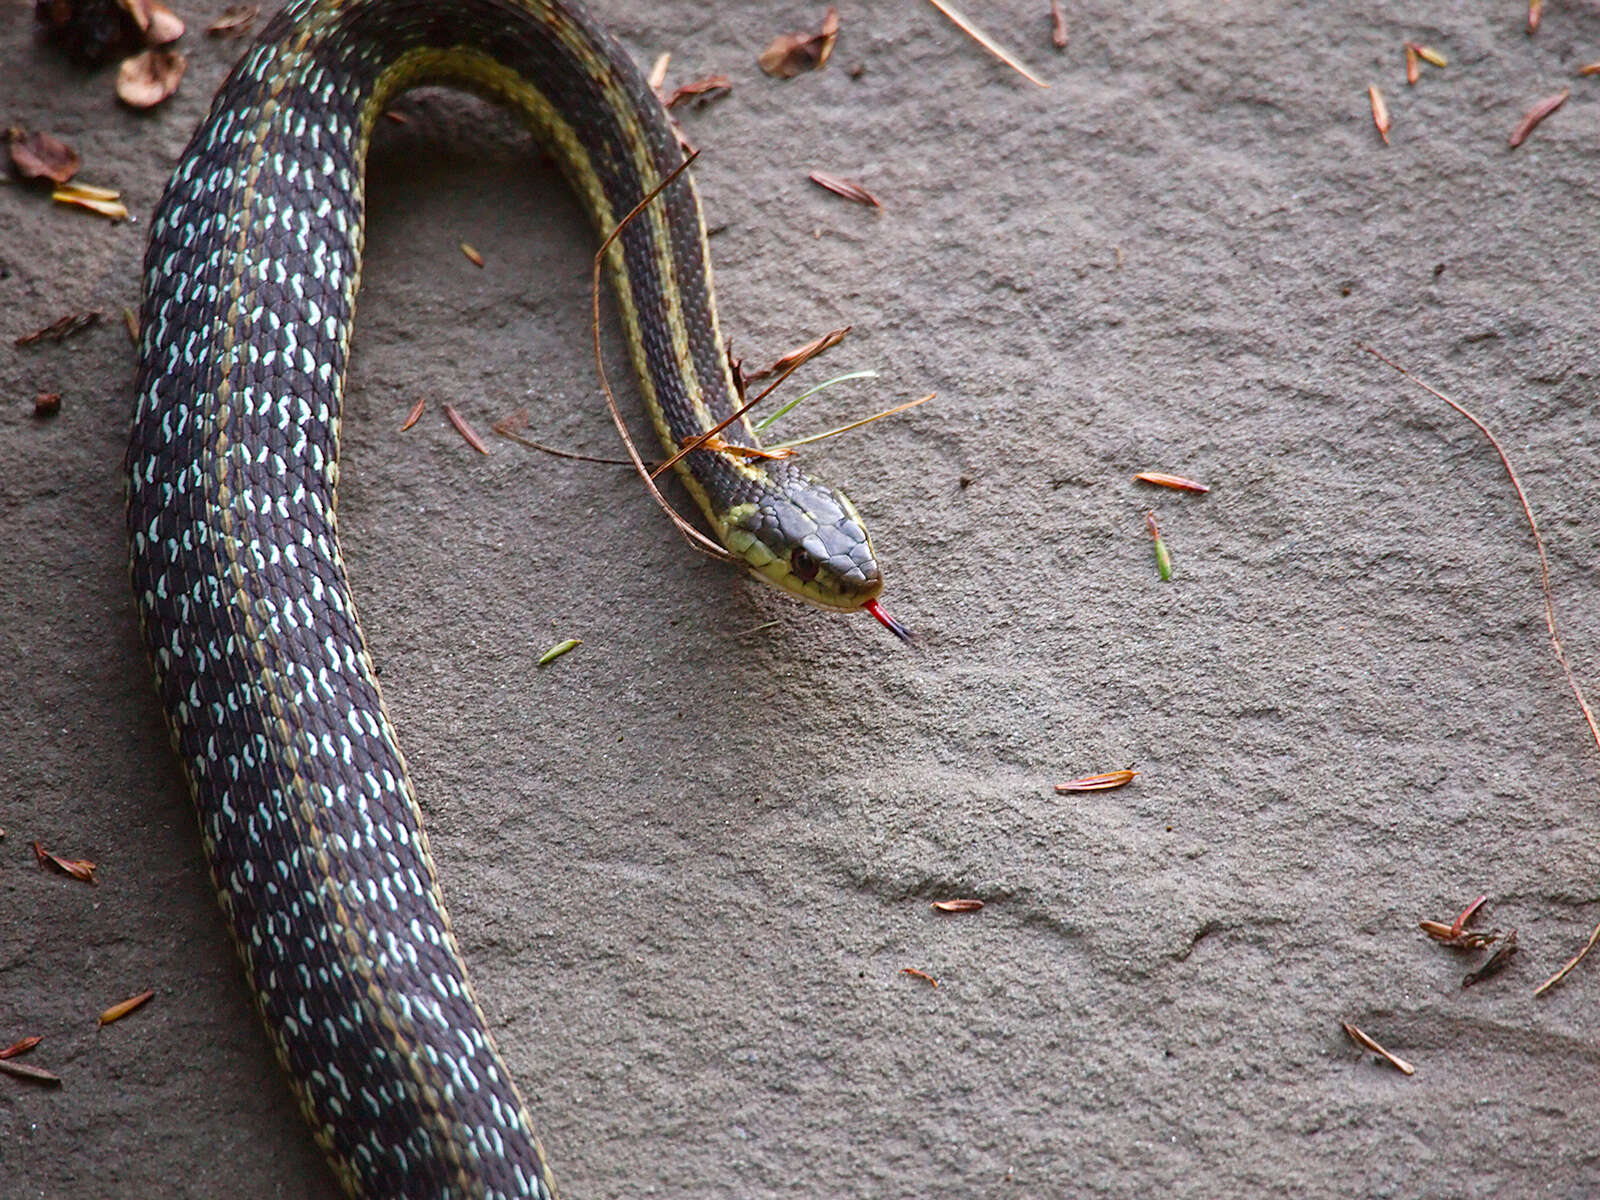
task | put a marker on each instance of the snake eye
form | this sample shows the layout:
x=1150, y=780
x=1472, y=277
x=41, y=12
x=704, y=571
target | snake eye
x=803, y=565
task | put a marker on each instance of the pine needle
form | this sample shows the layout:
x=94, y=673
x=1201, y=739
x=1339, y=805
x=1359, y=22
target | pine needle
x=1533, y=527
x=772, y=417
x=888, y=412
x=983, y=39
x=696, y=539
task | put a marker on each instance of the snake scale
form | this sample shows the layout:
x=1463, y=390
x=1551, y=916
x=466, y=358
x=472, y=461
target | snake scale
x=308, y=817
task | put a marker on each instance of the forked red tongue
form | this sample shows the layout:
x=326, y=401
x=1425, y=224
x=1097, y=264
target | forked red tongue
x=888, y=622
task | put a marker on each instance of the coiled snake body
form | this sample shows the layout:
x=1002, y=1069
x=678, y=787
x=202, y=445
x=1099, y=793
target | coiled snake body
x=309, y=821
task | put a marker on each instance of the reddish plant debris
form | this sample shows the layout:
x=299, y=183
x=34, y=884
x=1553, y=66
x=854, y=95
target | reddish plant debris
x=117, y=1011
x=1058, y=26
x=147, y=79
x=1098, y=783
x=1465, y=939
x=1536, y=114
x=1430, y=56
x=78, y=868
x=1176, y=482
x=1498, y=961
x=1589, y=69
x=104, y=201
x=958, y=906
x=32, y=1074
x=1535, y=12
x=41, y=156
x=1380, y=113
x=792, y=54
x=61, y=328
x=1367, y=1043
x=712, y=87
x=413, y=416
x=848, y=188
x=1413, y=72
x=1456, y=934
x=46, y=404
x=234, y=21
x=20, y=1046
x=472, y=254
x=922, y=975
x=130, y=321
x=800, y=354
x=468, y=434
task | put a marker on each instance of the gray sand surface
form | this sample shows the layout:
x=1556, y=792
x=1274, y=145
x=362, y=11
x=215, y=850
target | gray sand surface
x=689, y=861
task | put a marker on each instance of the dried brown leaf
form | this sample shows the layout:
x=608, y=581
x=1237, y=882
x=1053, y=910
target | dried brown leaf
x=117, y=1011
x=956, y=906
x=165, y=26
x=1099, y=783
x=1536, y=114
x=1380, y=112
x=1498, y=961
x=235, y=21
x=32, y=1074
x=712, y=87
x=792, y=54
x=147, y=79
x=414, y=415
x=468, y=434
x=848, y=188
x=61, y=328
x=41, y=156
x=20, y=1046
x=1176, y=482
x=1366, y=1043
x=78, y=868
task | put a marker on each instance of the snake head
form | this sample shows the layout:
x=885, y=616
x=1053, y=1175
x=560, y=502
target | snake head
x=807, y=539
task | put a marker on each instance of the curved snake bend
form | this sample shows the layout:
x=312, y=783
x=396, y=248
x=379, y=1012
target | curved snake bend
x=309, y=820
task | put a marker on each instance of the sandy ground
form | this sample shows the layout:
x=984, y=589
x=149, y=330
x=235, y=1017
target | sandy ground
x=689, y=861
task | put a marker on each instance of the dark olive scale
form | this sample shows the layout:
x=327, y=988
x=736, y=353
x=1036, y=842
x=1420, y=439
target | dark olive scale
x=309, y=819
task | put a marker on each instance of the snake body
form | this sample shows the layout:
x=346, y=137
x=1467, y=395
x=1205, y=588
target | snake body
x=308, y=817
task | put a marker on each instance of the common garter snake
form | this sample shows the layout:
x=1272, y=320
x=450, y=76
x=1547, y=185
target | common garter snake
x=309, y=820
